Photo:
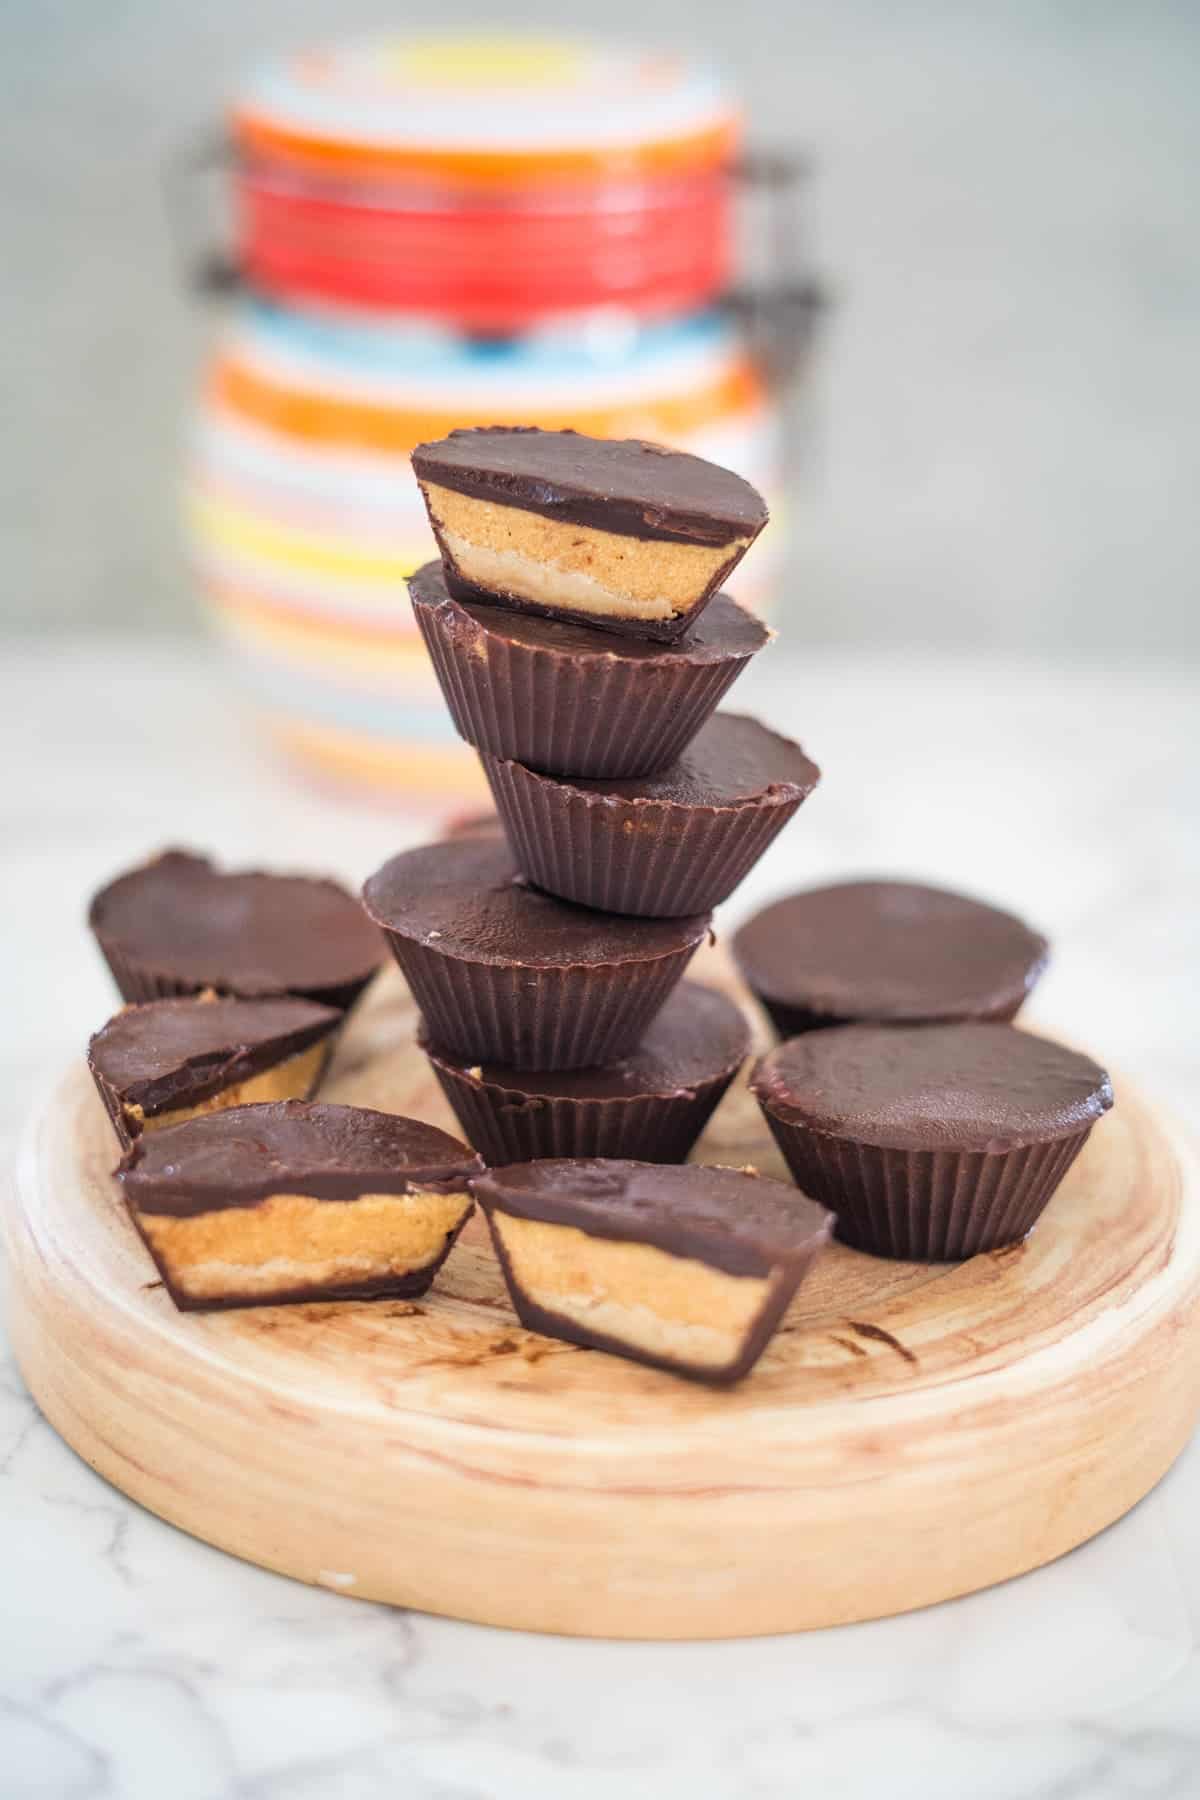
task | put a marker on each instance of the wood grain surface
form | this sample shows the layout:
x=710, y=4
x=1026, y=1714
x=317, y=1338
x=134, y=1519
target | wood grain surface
x=912, y=1433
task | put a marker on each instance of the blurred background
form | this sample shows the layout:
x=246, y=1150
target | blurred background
x=1002, y=437
x=984, y=583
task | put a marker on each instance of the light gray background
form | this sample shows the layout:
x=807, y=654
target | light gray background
x=1007, y=441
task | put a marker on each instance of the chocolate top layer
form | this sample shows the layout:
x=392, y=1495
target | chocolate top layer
x=248, y=932
x=240, y=1156
x=724, y=632
x=172, y=1053
x=697, y=1037
x=735, y=1219
x=623, y=485
x=974, y=1086
x=464, y=898
x=731, y=761
x=888, y=950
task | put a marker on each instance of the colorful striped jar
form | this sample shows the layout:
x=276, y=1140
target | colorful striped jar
x=435, y=234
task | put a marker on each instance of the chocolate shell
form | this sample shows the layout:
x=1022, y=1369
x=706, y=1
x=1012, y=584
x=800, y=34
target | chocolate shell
x=178, y=925
x=688, y=1269
x=569, y=700
x=886, y=952
x=621, y=534
x=260, y=1205
x=932, y=1142
x=663, y=845
x=651, y=1105
x=157, y=1063
x=505, y=974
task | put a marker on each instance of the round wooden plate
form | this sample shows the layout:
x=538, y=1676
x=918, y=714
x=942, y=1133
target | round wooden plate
x=912, y=1433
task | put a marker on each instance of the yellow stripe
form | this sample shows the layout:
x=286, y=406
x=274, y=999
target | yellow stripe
x=236, y=530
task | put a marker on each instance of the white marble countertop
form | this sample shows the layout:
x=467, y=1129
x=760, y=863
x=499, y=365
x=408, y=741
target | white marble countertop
x=138, y=1664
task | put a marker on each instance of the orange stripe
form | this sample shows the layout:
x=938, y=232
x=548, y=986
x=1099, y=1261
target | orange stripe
x=434, y=778
x=488, y=168
x=324, y=418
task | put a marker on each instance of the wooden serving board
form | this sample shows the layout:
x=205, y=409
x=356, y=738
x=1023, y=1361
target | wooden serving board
x=912, y=1433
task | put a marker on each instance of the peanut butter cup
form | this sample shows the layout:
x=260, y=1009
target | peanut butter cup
x=178, y=924
x=931, y=1142
x=886, y=951
x=688, y=1269
x=505, y=974
x=297, y=1201
x=625, y=535
x=651, y=1105
x=570, y=700
x=158, y=1064
x=663, y=845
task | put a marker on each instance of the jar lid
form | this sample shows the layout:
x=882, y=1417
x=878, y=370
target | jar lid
x=487, y=110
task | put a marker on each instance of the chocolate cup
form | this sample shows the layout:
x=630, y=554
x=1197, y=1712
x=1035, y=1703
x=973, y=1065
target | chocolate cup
x=886, y=952
x=506, y=974
x=138, y=982
x=726, y=1221
x=555, y=700
x=571, y=1016
x=554, y=1325
x=925, y=1205
x=111, y=1098
x=648, y=858
x=178, y=925
x=634, y=509
x=507, y=1125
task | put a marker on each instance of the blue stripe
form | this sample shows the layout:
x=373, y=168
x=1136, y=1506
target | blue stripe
x=425, y=351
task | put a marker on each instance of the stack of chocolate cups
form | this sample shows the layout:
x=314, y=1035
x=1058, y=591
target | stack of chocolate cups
x=577, y=628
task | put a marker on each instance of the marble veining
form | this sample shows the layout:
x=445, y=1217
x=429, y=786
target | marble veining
x=138, y=1664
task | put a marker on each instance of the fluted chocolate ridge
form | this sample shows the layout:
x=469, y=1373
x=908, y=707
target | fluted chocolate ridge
x=573, y=701
x=926, y=1205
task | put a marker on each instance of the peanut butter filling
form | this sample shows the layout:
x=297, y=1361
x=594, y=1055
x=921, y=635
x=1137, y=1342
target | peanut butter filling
x=669, y=1306
x=292, y=1241
x=293, y=1079
x=574, y=567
